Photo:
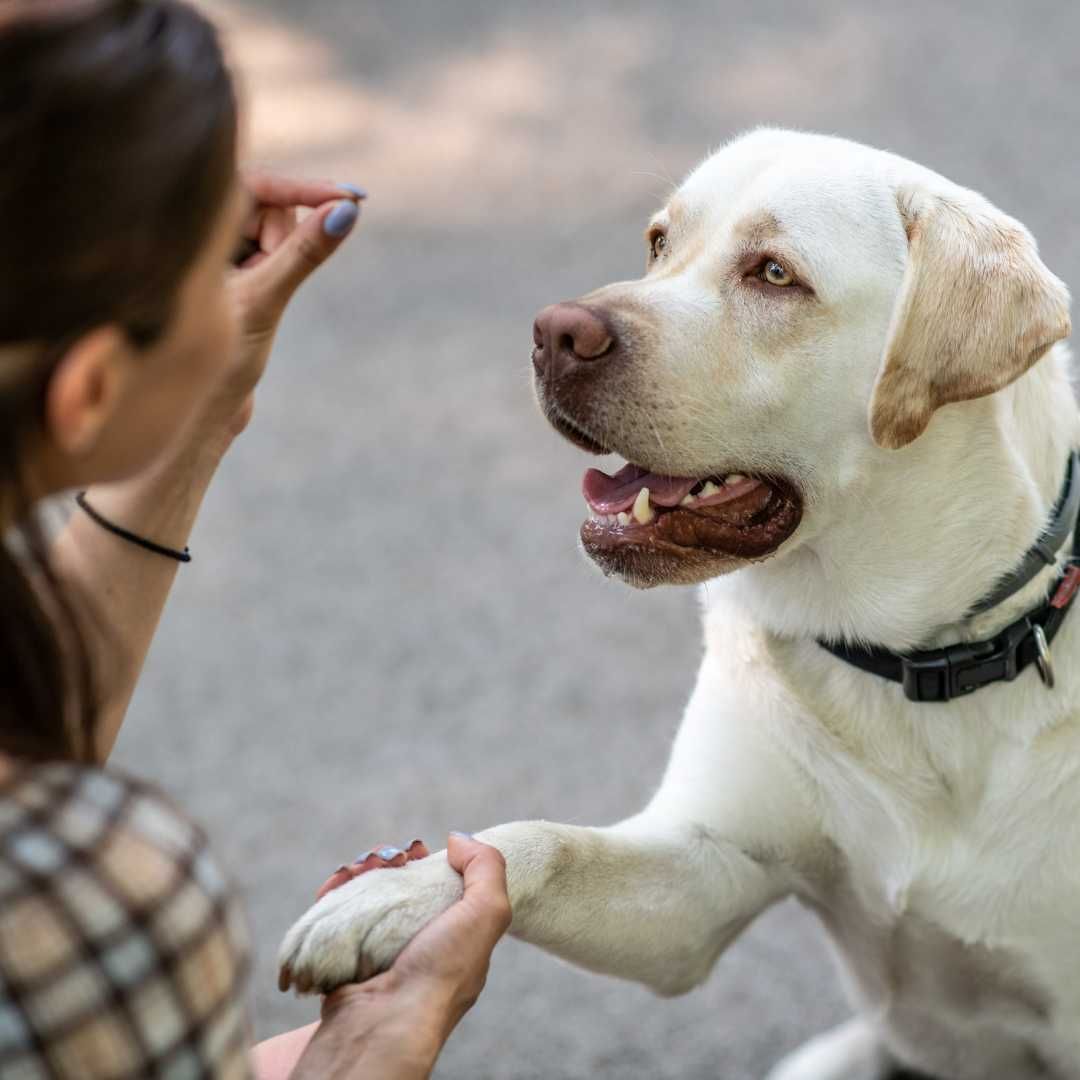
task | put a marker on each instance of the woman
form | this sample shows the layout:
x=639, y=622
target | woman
x=129, y=351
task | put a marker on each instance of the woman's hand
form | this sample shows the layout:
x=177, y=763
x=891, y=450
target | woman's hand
x=277, y=254
x=394, y=1025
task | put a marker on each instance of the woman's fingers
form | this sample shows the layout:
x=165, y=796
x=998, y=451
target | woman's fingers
x=385, y=856
x=287, y=191
x=268, y=225
x=263, y=234
x=269, y=283
x=417, y=850
x=283, y=251
x=337, y=878
x=275, y=226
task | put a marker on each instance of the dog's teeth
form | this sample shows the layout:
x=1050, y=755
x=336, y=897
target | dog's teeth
x=623, y=518
x=686, y=500
x=734, y=478
x=643, y=512
x=709, y=489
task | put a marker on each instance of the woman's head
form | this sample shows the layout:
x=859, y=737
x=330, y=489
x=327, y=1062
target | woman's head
x=120, y=207
x=118, y=132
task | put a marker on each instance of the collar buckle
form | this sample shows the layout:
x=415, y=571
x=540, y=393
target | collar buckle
x=944, y=674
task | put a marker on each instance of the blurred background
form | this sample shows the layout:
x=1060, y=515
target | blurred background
x=388, y=631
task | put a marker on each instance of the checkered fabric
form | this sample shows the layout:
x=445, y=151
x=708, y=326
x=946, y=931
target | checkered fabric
x=123, y=950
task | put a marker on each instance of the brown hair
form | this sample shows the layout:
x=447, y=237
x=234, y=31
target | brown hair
x=117, y=133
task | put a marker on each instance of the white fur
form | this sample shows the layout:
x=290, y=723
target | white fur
x=937, y=842
x=851, y=1051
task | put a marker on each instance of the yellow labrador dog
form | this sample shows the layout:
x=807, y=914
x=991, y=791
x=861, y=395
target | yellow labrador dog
x=841, y=401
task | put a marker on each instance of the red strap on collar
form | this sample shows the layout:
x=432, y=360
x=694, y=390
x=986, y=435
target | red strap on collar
x=1066, y=590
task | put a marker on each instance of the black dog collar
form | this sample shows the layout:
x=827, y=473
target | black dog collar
x=943, y=674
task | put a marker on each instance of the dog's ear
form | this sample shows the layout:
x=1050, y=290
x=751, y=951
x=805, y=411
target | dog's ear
x=976, y=309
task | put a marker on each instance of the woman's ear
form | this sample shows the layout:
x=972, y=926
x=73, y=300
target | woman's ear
x=977, y=308
x=85, y=388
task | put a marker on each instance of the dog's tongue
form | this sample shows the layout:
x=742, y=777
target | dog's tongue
x=611, y=494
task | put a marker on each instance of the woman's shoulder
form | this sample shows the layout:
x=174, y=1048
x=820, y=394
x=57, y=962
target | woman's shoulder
x=61, y=822
x=121, y=941
x=57, y=813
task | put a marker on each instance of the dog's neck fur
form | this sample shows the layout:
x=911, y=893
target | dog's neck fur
x=966, y=500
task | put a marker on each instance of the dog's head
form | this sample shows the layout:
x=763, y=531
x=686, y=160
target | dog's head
x=807, y=302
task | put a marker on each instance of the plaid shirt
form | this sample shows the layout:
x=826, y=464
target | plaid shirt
x=123, y=951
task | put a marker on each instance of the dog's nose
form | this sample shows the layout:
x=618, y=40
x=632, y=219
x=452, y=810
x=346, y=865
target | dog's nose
x=567, y=336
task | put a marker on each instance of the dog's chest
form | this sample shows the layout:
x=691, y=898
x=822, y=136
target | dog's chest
x=956, y=908
x=957, y=1009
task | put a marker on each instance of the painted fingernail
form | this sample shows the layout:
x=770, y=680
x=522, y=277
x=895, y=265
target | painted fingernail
x=389, y=853
x=341, y=219
x=463, y=835
x=362, y=858
x=354, y=189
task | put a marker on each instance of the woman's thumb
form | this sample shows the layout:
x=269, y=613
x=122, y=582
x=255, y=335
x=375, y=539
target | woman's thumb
x=305, y=249
x=484, y=870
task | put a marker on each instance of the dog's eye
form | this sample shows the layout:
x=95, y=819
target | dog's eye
x=657, y=244
x=775, y=274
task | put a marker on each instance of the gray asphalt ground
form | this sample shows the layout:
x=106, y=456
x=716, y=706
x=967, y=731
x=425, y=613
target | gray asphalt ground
x=388, y=631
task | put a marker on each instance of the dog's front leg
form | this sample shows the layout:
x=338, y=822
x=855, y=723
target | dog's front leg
x=655, y=898
x=649, y=899
x=658, y=897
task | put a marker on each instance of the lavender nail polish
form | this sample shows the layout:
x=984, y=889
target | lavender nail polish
x=389, y=853
x=354, y=189
x=341, y=219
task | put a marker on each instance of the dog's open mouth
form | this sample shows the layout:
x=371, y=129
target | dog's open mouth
x=653, y=529
x=731, y=516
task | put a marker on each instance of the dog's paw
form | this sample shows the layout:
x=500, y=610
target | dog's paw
x=851, y=1051
x=358, y=929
